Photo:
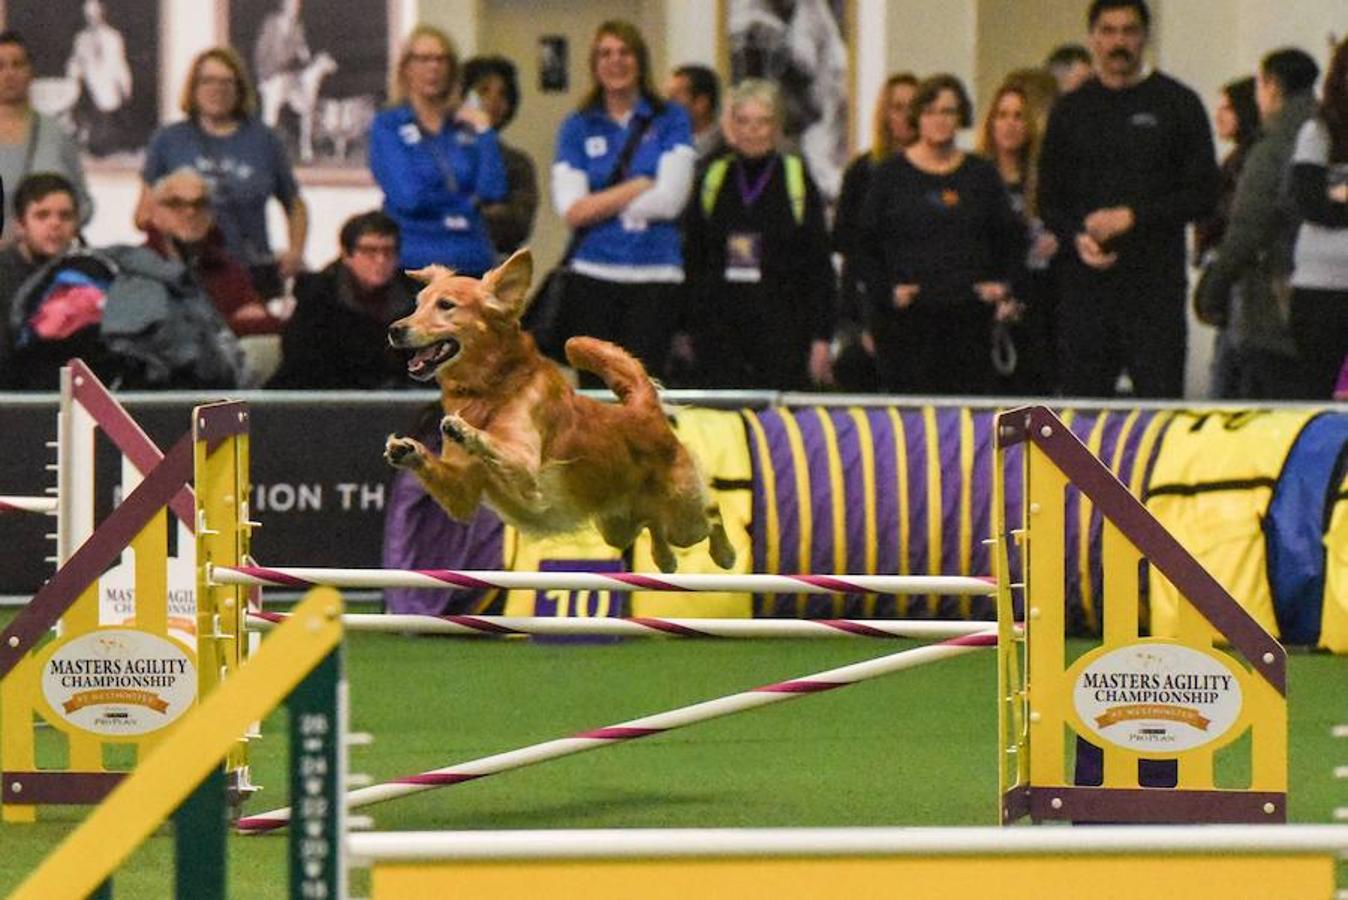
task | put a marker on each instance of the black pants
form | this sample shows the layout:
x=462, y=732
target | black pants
x=939, y=345
x=636, y=317
x=1319, y=326
x=1109, y=325
x=751, y=341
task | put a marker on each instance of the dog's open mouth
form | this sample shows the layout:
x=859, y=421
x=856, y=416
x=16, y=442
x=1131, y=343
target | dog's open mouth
x=425, y=361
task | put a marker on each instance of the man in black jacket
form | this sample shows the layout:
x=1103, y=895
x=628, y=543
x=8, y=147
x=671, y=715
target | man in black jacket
x=1127, y=162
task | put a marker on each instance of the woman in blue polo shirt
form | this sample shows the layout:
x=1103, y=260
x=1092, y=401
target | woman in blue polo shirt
x=436, y=160
x=624, y=206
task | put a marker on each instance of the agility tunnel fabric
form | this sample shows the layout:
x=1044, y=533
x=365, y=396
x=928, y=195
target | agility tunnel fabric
x=909, y=491
x=1257, y=497
x=1298, y=534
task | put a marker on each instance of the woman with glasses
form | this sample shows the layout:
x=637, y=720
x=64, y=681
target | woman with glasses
x=620, y=179
x=29, y=141
x=338, y=337
x=758, y=257
x=242, y=159
x=436, y=159
x=183, y=228
x=944, y=243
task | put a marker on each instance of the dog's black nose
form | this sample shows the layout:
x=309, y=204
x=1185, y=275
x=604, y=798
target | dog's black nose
x=396, y=334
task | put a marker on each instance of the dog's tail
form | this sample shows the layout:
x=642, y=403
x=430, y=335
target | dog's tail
x=621, y=371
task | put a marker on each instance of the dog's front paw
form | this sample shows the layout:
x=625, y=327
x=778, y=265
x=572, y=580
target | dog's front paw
x=404, y=453
x=456, y=429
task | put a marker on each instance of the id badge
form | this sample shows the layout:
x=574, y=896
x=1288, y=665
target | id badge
x=744, y=257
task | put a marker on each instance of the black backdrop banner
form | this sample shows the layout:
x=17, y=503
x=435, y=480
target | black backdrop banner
x=319, y=479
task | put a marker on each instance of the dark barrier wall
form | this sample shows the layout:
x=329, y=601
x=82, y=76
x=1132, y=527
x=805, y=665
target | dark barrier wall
x=320, y=481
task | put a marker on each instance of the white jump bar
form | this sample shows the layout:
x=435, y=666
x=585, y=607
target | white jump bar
x=663, y=843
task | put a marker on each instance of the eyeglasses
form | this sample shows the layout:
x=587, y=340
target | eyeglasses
x=195, y=204
x=427, y=59
x=389, y=251
x=217, y=81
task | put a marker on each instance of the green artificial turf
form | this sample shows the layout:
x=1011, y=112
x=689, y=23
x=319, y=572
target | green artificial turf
x=913, y=748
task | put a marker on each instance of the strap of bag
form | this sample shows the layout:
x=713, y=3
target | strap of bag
x=795, y=184
x=629, y=150
x=30, y=152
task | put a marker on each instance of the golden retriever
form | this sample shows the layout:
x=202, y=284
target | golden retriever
x=517, y=436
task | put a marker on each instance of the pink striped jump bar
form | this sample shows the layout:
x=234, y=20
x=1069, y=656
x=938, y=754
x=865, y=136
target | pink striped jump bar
x=641, y=626
x=640, y=728
x=27, y=504
x=949, y=585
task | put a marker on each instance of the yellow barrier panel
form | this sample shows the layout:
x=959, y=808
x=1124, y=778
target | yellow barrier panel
x=1190, y=877
x=148, y=796
x=1144, y=718
x=223, y=534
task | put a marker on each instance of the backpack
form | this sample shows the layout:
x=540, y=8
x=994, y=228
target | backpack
x=795, y=183
x=49, y=329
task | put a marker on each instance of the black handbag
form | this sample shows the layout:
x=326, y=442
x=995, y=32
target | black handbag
x=546, y=316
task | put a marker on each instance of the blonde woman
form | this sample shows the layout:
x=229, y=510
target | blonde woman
x=620, y=179
x=891, y=131
x=1009, y=137
x=241, y=158
x=436, y=159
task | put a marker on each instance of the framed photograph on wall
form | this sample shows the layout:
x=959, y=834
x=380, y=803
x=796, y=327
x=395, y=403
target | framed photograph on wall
x=319, y=80
x=804, y=47
x=96, y=69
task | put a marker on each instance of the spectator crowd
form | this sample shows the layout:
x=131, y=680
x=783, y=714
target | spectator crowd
x=1052, y=255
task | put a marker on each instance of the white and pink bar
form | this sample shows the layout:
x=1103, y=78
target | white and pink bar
x=641, y=626
x=950, y=585
x=28, y=504
x=634, y=729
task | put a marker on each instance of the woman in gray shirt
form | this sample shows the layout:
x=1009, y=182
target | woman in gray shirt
x=31, y=142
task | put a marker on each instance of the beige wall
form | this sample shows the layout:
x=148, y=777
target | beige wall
x=1204, y=43
x=1015, y=34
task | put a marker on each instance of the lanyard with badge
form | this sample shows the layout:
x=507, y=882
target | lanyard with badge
x=451, y=181
x=744, y=249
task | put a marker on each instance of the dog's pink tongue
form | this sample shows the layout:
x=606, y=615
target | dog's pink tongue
x=422, y=358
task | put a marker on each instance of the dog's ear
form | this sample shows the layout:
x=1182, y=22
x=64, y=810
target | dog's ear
x=429, y=273
x=508, y=284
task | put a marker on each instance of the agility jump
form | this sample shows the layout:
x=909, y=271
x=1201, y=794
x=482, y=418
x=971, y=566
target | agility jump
x=1040, y=698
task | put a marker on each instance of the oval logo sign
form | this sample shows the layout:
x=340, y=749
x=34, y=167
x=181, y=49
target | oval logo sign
x=1157, y=697
x=118, y=682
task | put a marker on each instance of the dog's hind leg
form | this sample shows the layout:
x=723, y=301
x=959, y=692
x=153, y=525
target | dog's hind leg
x=661, y=552
x=722, y=551
x=693, y=515
x=618, y=531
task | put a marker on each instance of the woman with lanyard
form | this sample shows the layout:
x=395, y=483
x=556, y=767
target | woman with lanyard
x=436, y=160
x=29, y=141
x=758, y=252
x=242, y=160
x=621, y=177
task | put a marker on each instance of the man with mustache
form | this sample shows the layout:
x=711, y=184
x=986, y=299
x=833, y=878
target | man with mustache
x=1127, y=163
